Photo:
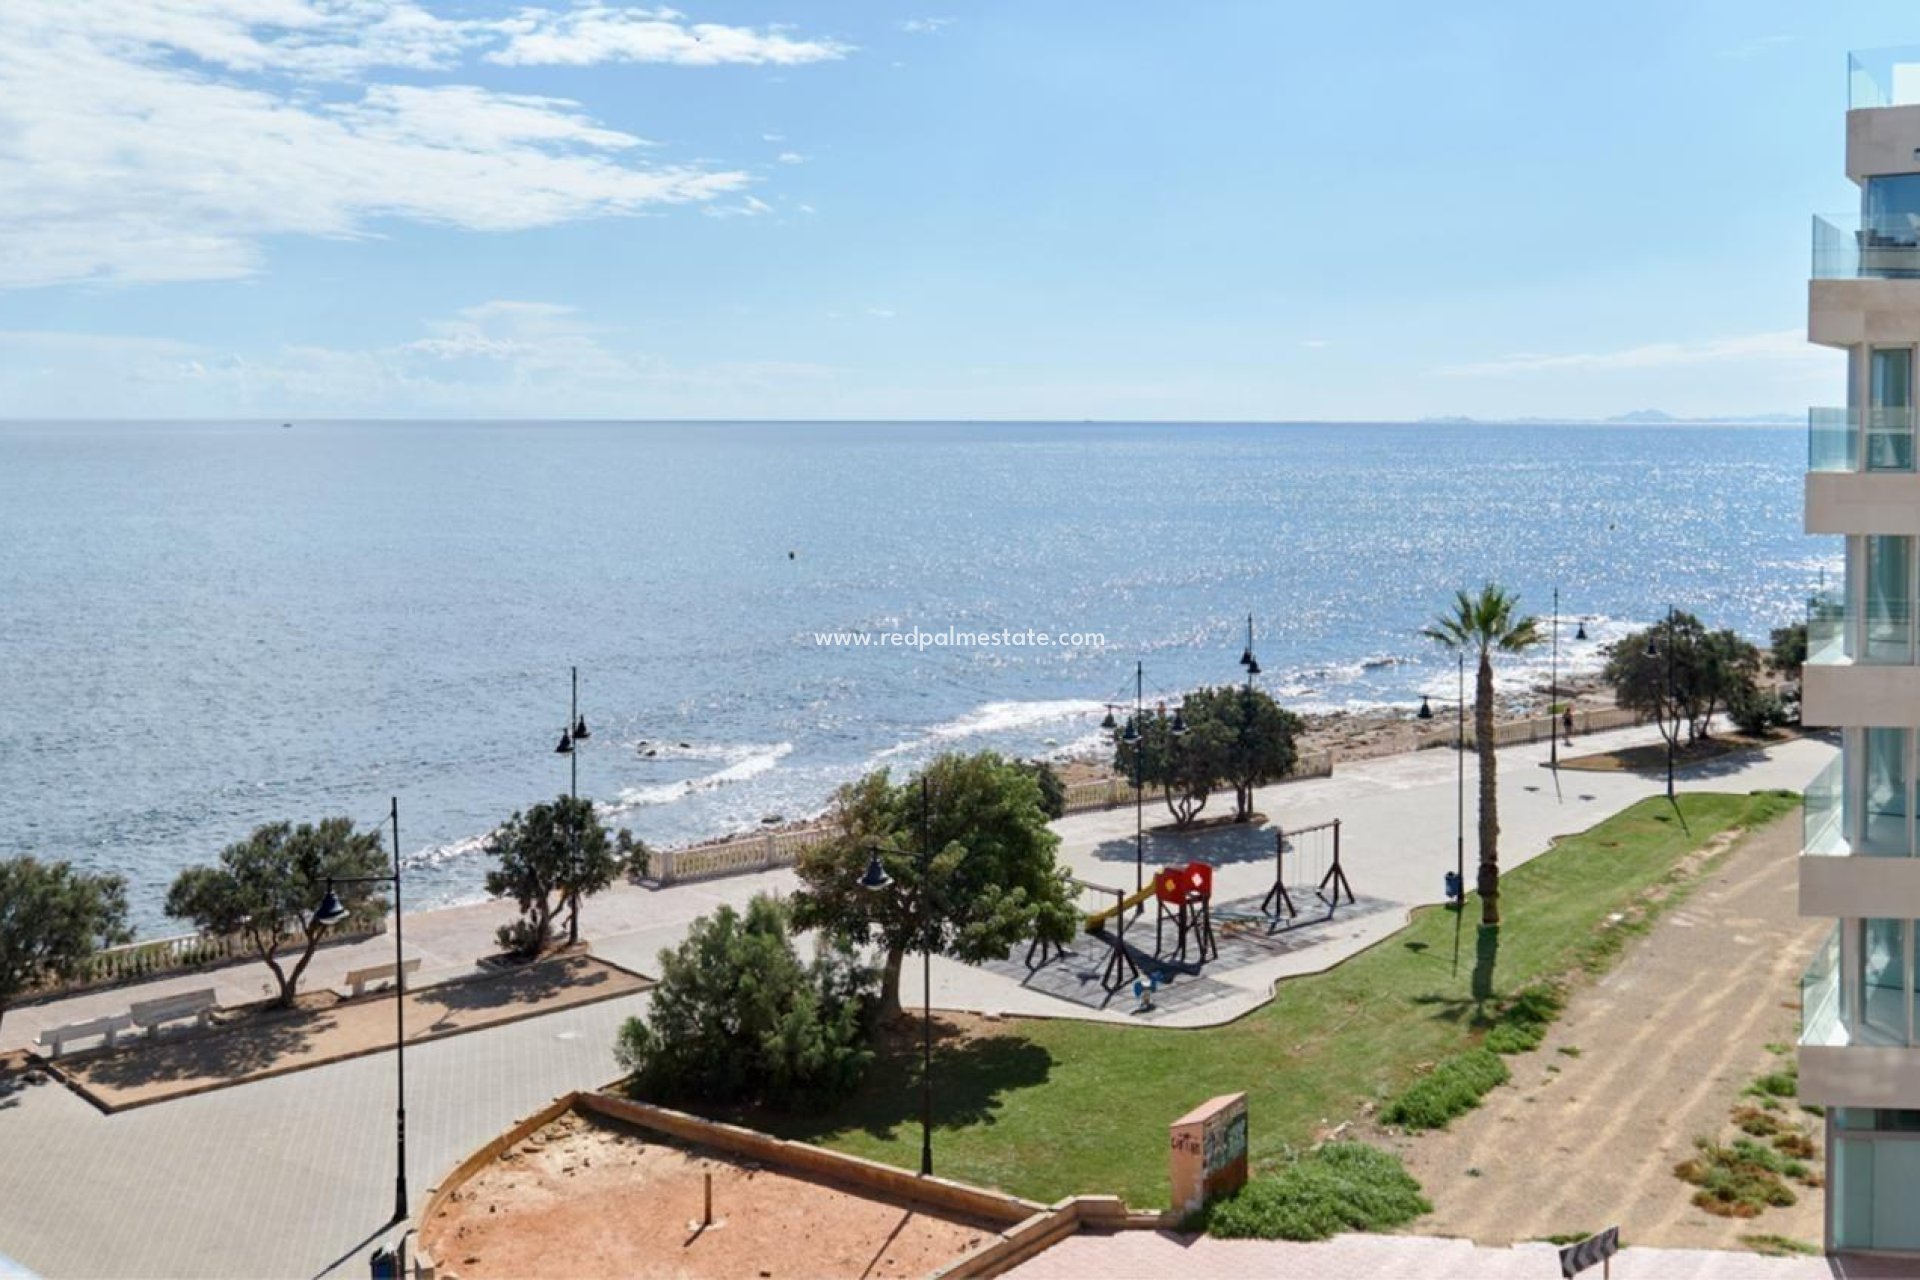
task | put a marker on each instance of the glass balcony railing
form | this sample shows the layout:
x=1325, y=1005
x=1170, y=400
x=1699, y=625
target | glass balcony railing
x=1860, y=440
x=1883, y=77
x=1821, y=831
x=1847, y=246
x=1827, y=637
x=1820, y=1021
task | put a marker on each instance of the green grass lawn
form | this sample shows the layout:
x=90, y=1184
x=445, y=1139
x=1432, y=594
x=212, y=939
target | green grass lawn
x=1047, y=1108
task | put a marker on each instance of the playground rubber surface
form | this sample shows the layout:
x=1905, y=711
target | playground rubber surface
x=1243, y=935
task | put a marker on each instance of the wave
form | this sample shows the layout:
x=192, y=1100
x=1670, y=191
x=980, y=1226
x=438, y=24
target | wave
x=742, y=762
x=997, y=718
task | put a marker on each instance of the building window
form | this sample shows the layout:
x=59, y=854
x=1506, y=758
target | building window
x=1883, y=827
x=1889, y=418
x=1889, y=598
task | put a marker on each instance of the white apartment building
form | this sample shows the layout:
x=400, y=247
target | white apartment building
x=1860, y=1039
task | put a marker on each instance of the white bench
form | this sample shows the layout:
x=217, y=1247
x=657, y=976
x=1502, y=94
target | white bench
x=361, y=979
x=198, y=1005
x=55, y=1038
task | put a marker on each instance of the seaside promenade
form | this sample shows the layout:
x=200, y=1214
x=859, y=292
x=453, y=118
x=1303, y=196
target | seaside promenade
x=292, y=1176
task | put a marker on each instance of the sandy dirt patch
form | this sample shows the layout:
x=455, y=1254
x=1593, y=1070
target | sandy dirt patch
x=1665, y=1042
x=586, y=1196
x=257, y=1041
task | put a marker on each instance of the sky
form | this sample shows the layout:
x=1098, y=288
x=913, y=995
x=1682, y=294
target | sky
x=892, y=209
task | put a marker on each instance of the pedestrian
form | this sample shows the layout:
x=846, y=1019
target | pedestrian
x=1566, y=722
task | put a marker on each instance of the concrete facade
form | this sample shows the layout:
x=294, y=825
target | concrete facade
x=1860, y=1041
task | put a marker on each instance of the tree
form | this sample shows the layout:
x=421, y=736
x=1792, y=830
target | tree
x=1481, y=625
x=1788, y=650
x=267, y=887
x=1258, y=738
x=1053, y=791
x=1690, y=675
x=737, y=1017
x=992, y=880
x=549, y=858
x=1188, y=767
x=52, y=920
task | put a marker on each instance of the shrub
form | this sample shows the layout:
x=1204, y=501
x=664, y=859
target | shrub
x=1738, y=1181
x=1798, y=1145
x=1756, y=711
x=738, y=1018
x=1776, y=1084
x=1344, y=1186
x=1523, y=1023
x=1453, y=1088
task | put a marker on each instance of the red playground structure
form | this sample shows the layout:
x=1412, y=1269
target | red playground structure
x=1184, y=895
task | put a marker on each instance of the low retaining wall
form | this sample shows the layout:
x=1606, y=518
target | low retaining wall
x=170, y=957
x=1024, y=1227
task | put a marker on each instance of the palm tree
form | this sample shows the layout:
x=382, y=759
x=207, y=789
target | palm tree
x=1482, y=624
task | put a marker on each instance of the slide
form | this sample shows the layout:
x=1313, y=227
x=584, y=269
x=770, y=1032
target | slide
x=1098, y=919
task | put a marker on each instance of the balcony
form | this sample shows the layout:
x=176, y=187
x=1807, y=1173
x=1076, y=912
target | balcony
x=1850, y=247
x=1883, y=78
x=1820, y=1021
x=1829, y=637
x=1822, y=833
x=1855, y=440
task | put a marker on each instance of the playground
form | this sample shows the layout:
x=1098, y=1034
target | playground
x=1176, y=944
x=1026, y=1104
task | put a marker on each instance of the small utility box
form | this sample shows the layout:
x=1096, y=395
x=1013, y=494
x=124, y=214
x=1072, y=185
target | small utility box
x=1207, y=1151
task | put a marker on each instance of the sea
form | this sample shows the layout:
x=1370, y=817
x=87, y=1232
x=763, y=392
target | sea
x=205, y=626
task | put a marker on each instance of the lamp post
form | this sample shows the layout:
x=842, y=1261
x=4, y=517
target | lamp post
x=1252, y=665
x=332, y=911
x=1132, y=736
x=1653, y=651
x=570, y=738
x=877, y=879
x=1553, y=690
x=1460, y=782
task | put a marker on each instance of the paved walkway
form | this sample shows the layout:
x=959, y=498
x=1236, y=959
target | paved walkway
x=293, y=1176
x=1397, y=843
x=1152, y=1255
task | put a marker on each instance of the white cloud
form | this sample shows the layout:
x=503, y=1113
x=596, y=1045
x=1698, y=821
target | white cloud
x=1773, y=346
x=602, y=33
x=926, y=26
x=165, y=140
x=1315, y=344
x=881, y=313
x=745, y=207
x=791, y=157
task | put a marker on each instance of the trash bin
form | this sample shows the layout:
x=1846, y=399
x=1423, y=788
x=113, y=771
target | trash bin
x=384, y=1264
x=1454, y=887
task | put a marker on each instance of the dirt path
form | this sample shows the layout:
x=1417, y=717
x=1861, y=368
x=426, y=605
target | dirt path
x=1665, y=1042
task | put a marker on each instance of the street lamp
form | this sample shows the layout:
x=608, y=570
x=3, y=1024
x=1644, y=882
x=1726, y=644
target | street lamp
x=1252, y=665
x=1131, y=737
x=1460, y=783
x=570, y=739
x=332, y=911
x=1553, y=687
x=876, y=879
x=1653, y=651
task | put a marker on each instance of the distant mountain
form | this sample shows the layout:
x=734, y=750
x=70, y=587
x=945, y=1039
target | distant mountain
x=1638, y=418
x=1658, y=417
